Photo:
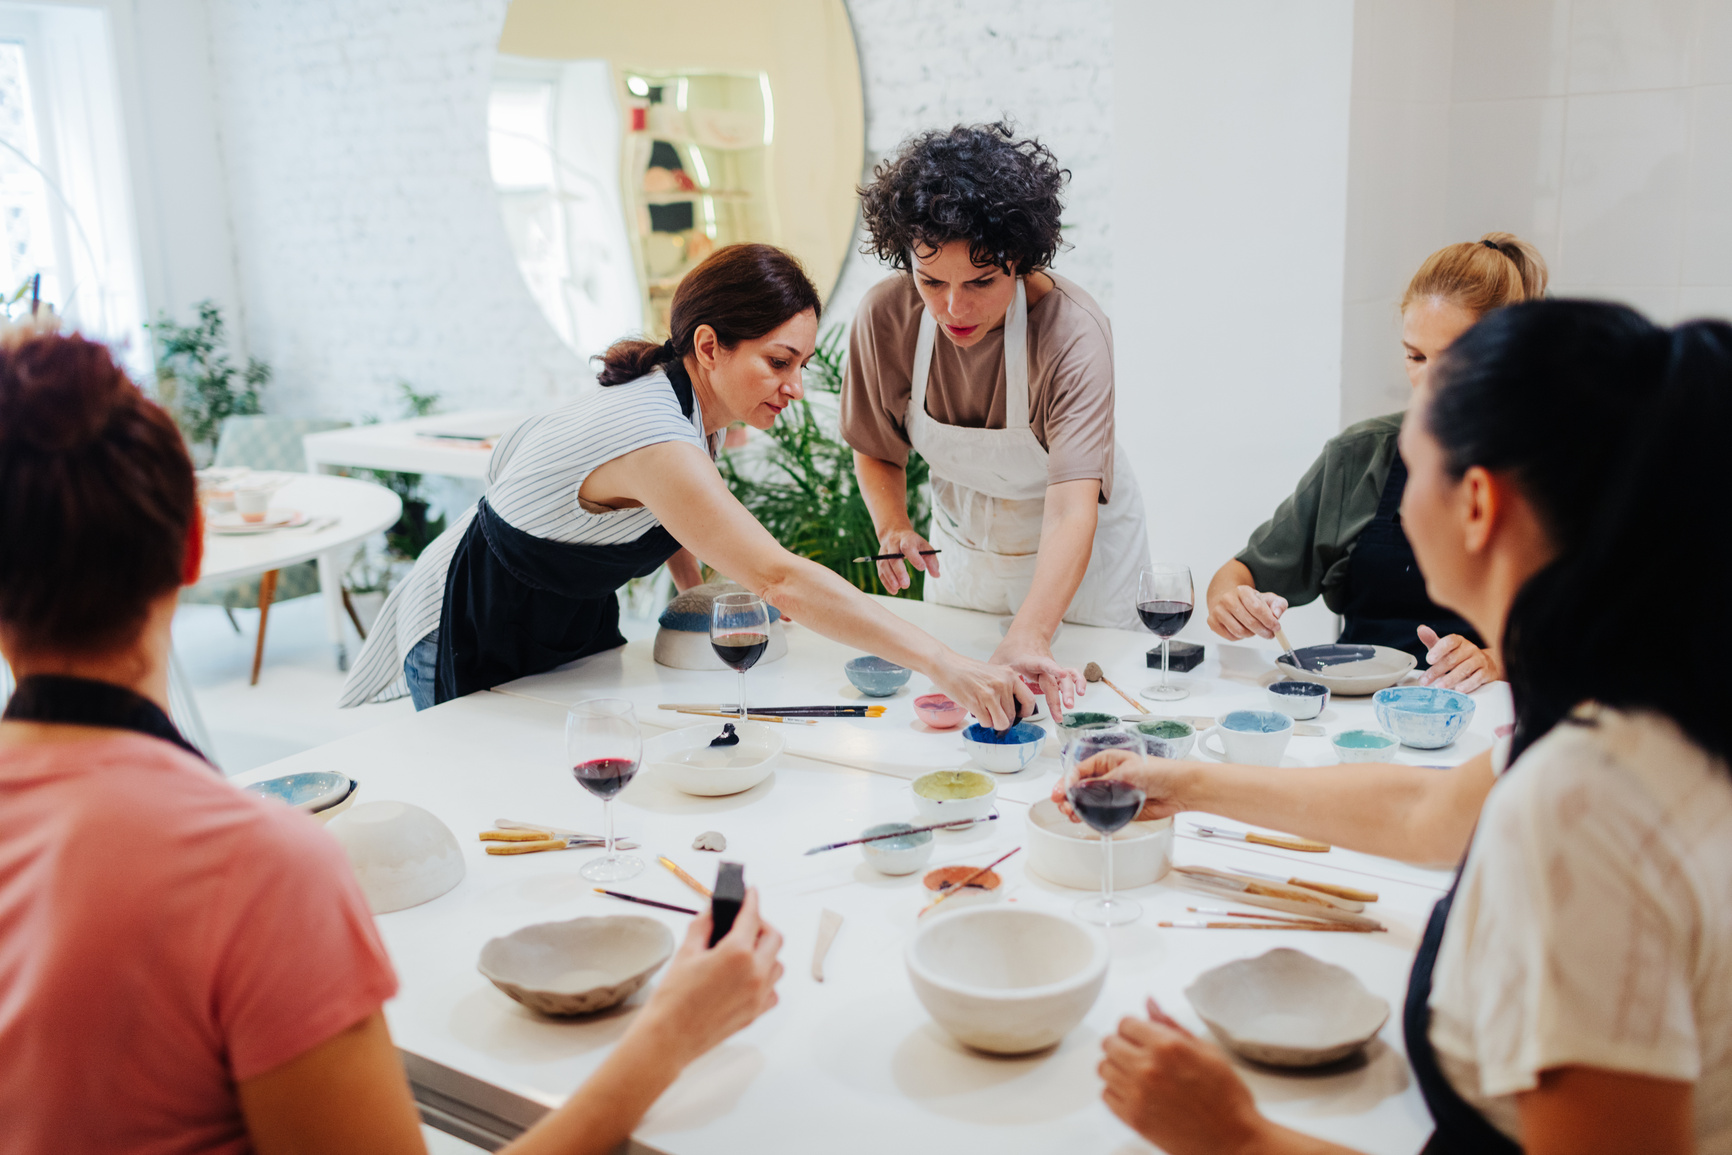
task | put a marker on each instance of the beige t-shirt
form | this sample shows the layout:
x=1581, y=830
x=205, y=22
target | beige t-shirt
x=1593, y=923
x=1070, y=379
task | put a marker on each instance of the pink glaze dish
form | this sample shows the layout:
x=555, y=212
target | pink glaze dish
x=938, y=711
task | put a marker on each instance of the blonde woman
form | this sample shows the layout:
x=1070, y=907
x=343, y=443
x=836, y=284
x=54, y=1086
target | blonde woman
x=1340, y=534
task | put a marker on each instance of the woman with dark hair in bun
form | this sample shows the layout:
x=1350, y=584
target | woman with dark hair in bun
x=584, y=498
x=999, y=372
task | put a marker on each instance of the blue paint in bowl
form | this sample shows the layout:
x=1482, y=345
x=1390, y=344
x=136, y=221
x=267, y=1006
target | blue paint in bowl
x=1020, y=734
x=875, y=677
x=1256, y=722
x=1423, y=717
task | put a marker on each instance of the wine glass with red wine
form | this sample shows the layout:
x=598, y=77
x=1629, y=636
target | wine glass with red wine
x=604, y=747
x=1164, y=602
x=1106, y=806
x=740, y=633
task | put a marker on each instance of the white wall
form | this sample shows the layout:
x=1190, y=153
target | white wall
x=1229, y=211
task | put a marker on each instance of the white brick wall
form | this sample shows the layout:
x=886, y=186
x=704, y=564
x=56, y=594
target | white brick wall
x=353, y=138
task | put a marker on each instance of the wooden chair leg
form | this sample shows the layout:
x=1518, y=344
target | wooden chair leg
x=353, y=616
x=267, y=591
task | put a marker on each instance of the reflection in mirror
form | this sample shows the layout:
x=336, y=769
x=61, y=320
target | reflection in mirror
x=628, y=142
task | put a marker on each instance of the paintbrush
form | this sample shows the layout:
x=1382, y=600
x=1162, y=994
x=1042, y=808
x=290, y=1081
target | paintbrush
x=1093, y=673
x=645, y=901
x=782, y=711
x=753, y=717
x=1287, y=650
x=957, y=825
x=1200, y=924
x=965, y=882
x=894, y=556
x=682, y=875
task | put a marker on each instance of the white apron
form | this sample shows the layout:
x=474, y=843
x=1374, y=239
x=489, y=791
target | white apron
x=989, y=492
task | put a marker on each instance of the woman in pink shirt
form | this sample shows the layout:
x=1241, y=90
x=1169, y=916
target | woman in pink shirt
x=184, y=967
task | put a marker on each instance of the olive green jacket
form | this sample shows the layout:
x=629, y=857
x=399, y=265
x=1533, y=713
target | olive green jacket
x=1304, y=549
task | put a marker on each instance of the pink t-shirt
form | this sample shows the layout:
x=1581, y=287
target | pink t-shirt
x=163, y=936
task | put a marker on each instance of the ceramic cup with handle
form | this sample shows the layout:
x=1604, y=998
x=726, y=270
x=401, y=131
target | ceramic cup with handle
x=1249, y=737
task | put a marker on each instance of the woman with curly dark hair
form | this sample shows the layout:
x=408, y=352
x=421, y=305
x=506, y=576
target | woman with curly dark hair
x=1034, y=512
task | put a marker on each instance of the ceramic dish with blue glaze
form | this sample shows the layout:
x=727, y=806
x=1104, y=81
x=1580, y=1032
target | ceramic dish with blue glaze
x=1348, y=670
x=312, y=791
x=1004, y=753
x=876, y=677
x=1300, y=701
x=1423, y=717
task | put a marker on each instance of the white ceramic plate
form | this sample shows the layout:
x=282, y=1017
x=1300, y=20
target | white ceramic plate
x=686, y=758
x=232, y=523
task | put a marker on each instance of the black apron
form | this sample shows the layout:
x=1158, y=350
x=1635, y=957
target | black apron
x=1386, y=600
x=85, y=702
x=517, y=604
x=1461, y=1129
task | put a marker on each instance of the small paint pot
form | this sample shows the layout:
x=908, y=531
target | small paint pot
x=903, y=855
x=1363, y=745
x=939, y=712
x=1168, y=738
x=1298, y=700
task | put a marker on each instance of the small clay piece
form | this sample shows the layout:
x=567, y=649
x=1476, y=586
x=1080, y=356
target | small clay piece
x=710, y=840
x=727, y=737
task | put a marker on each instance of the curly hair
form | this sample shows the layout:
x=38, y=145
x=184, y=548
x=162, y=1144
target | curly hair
x=974, y=183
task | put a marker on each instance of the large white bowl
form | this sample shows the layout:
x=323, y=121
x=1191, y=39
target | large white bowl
x=1287, y=1009
x=401, y=854
x=1069, y=853
x=579, y=966
x=686, y=758
x=1005, y=979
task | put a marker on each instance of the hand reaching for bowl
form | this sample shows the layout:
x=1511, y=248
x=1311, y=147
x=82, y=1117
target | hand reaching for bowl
x=1241, y=611
x=1456, y=663
x=989, y=692
x=1033, y=660
x=1158, y=778
x=707, y=994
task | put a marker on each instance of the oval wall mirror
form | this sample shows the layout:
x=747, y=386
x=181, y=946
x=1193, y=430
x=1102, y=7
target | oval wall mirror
x=630, y=141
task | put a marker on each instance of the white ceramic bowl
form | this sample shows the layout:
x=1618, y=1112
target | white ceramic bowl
x=688, y=761
x=1005, y=979
x=579, y=966
x=1287, y=1009
x=1004, y=757
x=931, y=810
x=401, y=854
x=1069, y=853
x=896, y=855
x=1364, y=746
x=1298, y=699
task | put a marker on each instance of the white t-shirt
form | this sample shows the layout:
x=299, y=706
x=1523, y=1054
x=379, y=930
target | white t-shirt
x=1593, y=923
x=532, y=482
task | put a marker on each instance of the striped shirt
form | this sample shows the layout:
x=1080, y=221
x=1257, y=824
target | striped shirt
x=532, y=482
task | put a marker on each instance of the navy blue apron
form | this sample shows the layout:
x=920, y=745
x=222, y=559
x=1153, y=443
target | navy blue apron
x=85, y=702
x=1386, y=599
x=517, y=604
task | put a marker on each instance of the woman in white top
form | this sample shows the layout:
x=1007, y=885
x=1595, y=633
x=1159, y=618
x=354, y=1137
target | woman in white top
x=1573, y=992
x=610, y=487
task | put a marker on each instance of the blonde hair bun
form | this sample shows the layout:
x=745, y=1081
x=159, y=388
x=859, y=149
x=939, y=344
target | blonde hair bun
x=1498, y=269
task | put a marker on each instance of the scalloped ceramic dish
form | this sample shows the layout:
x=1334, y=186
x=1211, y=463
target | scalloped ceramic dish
x=1349, y=670
x=579, y=966
x=1287, y=1009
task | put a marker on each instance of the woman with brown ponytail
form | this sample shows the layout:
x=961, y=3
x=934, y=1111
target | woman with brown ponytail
x=1340, y=535
x=608, y=488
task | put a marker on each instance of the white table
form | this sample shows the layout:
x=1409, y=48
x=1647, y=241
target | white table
x=853, y=1064
x=404, y=446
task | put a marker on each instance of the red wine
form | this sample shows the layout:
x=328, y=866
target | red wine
x=1164, y=618
x=605, y=777
x=740, y=651
x=1104, y=804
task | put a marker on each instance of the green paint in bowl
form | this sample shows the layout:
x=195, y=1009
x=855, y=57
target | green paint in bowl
x=1166, y=729
x=1364, y=740
x=1088, y=718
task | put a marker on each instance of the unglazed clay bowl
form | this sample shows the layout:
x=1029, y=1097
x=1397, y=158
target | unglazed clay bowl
x=1006, y=979
x=1423, y=717
x=876, y=677
x=1287, y=1009
x=1069, y=853
x=903, y=855
x=688, y=761
x=1006, y=755
x=401, y=854
x=579, y=966
x=939, y=712
x=953, y=796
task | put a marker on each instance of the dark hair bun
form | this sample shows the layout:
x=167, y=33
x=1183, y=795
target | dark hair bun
x=58, y=393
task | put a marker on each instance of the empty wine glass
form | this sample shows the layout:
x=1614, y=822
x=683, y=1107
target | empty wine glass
x=604, y=746
x=1164, y=601
x=740, y=633
x=1106, y=806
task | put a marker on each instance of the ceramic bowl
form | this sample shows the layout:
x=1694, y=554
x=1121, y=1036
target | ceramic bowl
x=974, y=806
x=402, y=855
x=311, y=792
x=1250, y=737
x=579, y=966
x=1069, y=853
x=896, y=855
x=1349, y=670
x=1167, y=738
x=1423, y=717
x=1017, y=749
x=1078, y=721
x=875, y=677
x=1363, y=746
x=939, y=712
x=1300, y=701
x=688, y=761
x=1287, y=1009
x=1006, y=979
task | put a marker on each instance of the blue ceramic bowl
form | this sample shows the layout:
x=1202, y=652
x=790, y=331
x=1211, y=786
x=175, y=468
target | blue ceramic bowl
x=875, y=677
x=1423, y=717
x=1004, y=755
x=896, y=855
x=1298, y=700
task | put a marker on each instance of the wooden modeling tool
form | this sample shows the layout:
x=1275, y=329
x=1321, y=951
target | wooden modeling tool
x=828, y=924
x=1093, y=673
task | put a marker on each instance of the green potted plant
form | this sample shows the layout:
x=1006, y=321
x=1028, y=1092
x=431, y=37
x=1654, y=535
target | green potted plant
x=198, y=384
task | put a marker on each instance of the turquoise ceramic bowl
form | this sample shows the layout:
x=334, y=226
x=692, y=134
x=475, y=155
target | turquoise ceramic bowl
x=902, y=855
x=875, y=677
x=1363, y=746
x=1423, y=717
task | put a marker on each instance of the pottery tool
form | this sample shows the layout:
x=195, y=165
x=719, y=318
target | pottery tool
x=963, y=885
x=645, y=901
x=733, y=710
x=1093, y=673
x=1224, y=912
x=753, y=717
x=1283, y=841
x=1287, y=650
x=540, y=828
x=1259, y=886
x=1201, y=924
x=532, y=841
x=683, y=876
x=1290, y=900
x=828, y=924
x=1347, y=892
x=726, y=902
x=957, y=825
x=894, y=556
